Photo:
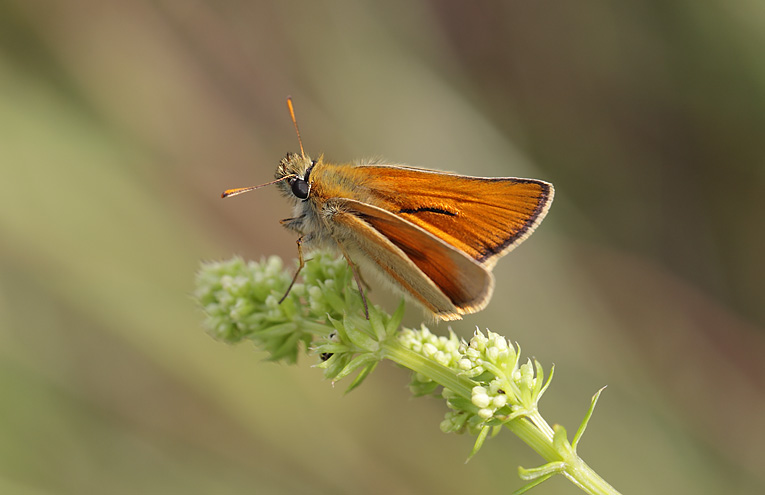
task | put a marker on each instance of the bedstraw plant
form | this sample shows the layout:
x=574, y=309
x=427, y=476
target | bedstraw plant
x=484, y=381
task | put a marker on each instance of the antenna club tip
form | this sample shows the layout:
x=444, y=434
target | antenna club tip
x=294, y=122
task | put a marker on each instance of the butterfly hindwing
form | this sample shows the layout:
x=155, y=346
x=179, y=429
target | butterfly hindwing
x=442, y=278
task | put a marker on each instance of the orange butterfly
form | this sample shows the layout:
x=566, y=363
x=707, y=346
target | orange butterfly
x=434, y=235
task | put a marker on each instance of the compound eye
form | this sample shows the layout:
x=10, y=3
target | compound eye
x=300, y=188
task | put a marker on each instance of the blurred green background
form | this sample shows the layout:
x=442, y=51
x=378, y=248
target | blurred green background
x=122, y=121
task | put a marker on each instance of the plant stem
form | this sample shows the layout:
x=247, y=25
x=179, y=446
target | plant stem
x=586, y=478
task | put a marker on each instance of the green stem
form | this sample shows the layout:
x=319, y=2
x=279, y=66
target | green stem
x=586, y=478
x=442, y=375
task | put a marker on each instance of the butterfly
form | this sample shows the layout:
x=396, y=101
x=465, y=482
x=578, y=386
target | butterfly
x=434, y=235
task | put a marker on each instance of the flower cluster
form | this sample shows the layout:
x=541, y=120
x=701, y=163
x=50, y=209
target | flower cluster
x=249, y=300
x=503, y=382
x=239, y=297
x=501, y=390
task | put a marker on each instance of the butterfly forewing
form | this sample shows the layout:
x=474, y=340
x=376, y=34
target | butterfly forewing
x=484, y=218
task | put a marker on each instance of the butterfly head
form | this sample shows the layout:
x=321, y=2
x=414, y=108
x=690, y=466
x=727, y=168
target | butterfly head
x=294, y=174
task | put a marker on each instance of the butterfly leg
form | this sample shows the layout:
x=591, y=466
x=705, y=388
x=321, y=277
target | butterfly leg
x=295, y=224
x=364, y=282
x=356, y=276
x=300, y=267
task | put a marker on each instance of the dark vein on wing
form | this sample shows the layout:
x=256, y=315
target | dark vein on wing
x=428, y=210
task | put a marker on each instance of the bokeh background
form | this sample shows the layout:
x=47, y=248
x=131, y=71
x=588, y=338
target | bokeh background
x=121, y=122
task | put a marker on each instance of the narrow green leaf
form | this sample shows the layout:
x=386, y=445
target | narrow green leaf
x=287, y=350
x=547, y=383
x=355, y=363
x=339, y=328
x=336, y=302
x=539, y=474
x=531, y=484
x=358, y=337
x=545, y=470
x=334, y=366
x=540, y=379
x=376, y=324
x=478, y=442
x=331, y=348
x=363, y=374
x=395, y=320
x=586, y=419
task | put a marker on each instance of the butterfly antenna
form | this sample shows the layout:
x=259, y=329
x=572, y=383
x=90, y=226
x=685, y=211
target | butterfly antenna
x=241, y=190
x=294, y=122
